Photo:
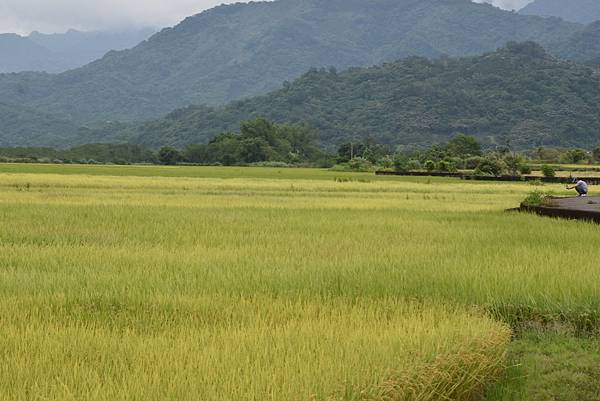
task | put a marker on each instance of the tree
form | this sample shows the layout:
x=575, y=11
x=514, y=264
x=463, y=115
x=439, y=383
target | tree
x=596, y=154
x=473, y=162
x=400, y=163
x=253, y=150
x=360, y=164
x=259, y=141
x=490, y=166
x=464, y=146
x=169, y=156
x=196, y=153
x=514, y=163
x=574, y=156
x=349, y=151
x=430, y=165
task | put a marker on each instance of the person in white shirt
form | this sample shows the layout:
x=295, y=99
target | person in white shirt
x=580, y=186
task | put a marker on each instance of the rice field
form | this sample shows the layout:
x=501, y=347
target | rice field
x=223, y=284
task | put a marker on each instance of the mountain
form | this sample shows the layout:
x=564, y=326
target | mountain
x=61, y=52
x=582, y=11
x=19, y=54
x=235, y=51
x=518, y=93
x=583, y=46
x=22, y=126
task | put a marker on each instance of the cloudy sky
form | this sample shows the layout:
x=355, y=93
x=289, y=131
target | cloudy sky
x=24, y=16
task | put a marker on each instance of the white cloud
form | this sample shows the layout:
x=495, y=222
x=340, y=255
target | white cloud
x=24, y=16
x=508, y=4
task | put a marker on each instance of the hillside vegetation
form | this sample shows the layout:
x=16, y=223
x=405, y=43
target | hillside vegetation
x=21, y=125
x=583, y=11
x=235, y=51
x=518, y=94
x=63, y=51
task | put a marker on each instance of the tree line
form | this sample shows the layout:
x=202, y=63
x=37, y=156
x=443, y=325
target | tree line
x=262, y=142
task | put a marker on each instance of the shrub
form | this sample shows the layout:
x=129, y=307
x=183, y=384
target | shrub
x=386, y=162
x=360, y=164
x=446, y=166
x=325, y=162
x=414, y=165
x=525, y=169
x=473, y=162
x=538, y=198
x=513, y=164
x=271, y=164
x=548, y=171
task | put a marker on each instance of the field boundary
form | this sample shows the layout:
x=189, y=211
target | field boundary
x=567, y=208
x=503, y=178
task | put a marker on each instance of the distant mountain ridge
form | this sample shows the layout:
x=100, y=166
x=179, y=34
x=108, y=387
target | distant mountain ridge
x=240, y=50
x=518, y=94
x=60, y=52
x=581, y=11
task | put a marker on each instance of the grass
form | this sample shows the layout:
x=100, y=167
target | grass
x=551, y=366
x=176, y=171
x=244, y=349
x=143, y=283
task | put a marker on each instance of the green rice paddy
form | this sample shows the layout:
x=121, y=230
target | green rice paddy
x=218, y=284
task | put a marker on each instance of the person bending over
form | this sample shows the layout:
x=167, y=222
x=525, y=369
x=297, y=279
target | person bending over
x=580, y=186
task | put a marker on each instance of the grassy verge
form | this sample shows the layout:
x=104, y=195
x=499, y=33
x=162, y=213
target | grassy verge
x=551, y=366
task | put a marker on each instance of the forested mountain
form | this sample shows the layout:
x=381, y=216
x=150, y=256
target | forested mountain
x=61, y=52
x=518, y=94
x=583, y=46
x=582, y=11
x=22, y=126
x=235, y=51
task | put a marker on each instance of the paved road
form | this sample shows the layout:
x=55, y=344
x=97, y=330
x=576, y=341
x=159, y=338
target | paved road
x=588, y=204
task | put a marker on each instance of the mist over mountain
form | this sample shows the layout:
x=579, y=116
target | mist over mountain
x=519, y=94
x=60, y=52
x=236, y=51
x=18, y=53
x=582, y=11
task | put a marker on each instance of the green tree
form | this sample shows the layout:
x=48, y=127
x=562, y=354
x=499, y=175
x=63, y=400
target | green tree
x=360, y=164
x=491, y=166
x=400, y=162
x=574, y=156
x=253, y=150
x=350, y=150
x=514, y=162
x=430, y=165
x=169, y=156
x=464, y=146
x=196, y=153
